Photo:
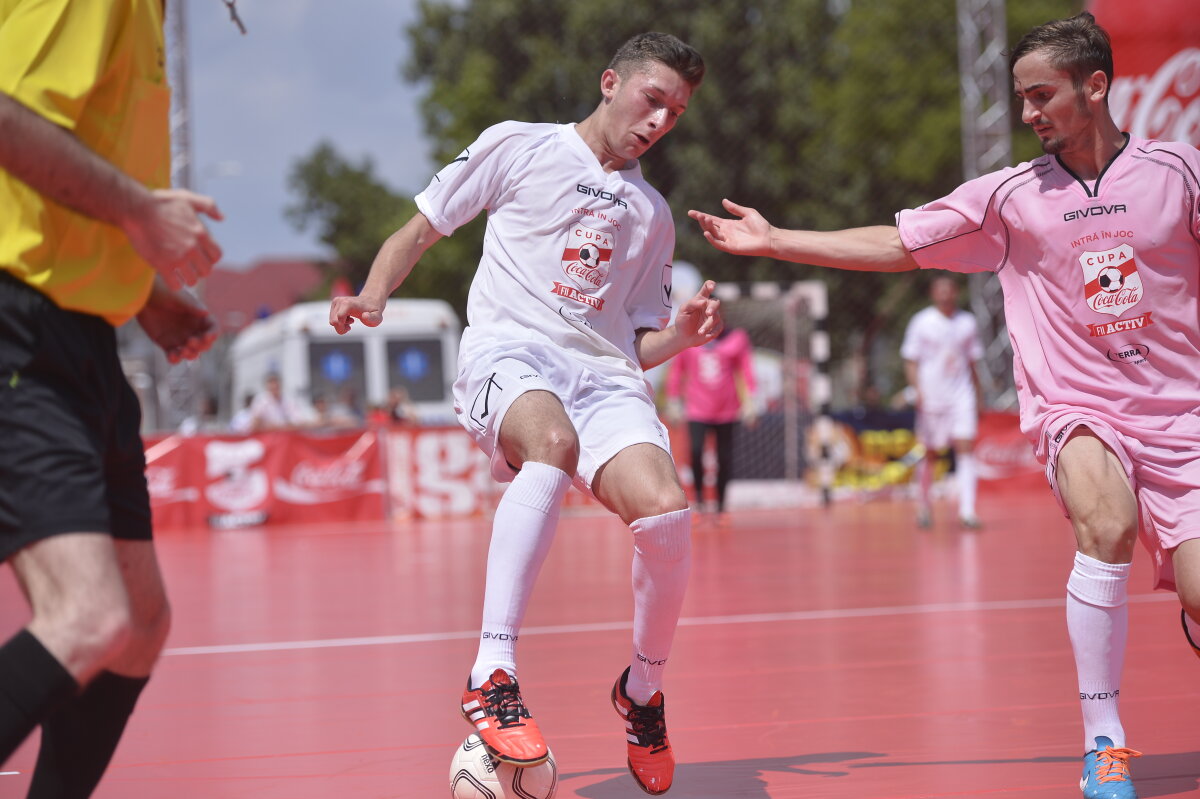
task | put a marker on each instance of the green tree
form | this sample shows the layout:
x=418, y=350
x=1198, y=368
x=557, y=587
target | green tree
x=353, y=212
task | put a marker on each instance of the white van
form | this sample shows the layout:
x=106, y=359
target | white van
x=416, y=346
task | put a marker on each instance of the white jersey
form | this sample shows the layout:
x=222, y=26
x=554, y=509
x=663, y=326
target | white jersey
x=945, y=349
x=573, y=255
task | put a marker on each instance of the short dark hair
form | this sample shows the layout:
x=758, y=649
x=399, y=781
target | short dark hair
x=1077, y=46
x=663, y=48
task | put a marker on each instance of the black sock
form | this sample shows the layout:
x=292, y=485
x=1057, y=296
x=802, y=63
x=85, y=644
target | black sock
x=78, y=739
x=32, y=684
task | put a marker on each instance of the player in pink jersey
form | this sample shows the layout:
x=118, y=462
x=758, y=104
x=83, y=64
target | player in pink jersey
x=1097, y=247
x=570, y=303
x=717, y=386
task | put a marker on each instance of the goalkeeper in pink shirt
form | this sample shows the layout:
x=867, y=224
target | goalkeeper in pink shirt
x=1097, y=247
x=716, y=383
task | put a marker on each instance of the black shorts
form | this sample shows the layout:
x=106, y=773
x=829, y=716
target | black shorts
x=71, y=456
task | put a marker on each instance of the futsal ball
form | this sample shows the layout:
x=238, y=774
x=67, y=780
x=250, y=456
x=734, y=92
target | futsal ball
x=475, y=775
x=1111, y=279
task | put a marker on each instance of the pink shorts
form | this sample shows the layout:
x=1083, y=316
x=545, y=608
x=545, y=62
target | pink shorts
x=1165, y=481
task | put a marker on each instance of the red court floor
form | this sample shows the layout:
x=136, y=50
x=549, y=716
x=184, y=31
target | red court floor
x=824, y=653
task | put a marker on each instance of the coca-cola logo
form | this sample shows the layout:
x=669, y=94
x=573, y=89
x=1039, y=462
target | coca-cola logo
x=335, y=474
x=1005, y=457
x=593, y=277
x=1121, y=297
x=1165, y=105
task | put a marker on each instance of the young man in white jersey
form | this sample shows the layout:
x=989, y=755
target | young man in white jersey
x=570, y=303
x=1097, y=247
x=940, y=348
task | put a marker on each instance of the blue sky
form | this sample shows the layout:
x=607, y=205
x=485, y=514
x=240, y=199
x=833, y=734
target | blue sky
x=306, y=70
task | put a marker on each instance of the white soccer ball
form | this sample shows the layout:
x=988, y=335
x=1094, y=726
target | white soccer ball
x=589, y=255
x=475, y=775
x=1111, y=279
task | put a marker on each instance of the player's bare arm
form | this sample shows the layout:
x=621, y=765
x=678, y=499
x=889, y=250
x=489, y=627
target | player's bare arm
x=392, y=264
x=697, y=322
x=164, y=226
x=747, y=232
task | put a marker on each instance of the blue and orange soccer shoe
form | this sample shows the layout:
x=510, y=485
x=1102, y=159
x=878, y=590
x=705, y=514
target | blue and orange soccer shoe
x=503, y=722
x=651, y=761
x=1106, y=772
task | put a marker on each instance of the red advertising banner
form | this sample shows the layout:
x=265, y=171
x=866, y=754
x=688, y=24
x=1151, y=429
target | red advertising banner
x=1156, y=59
x=227, y=481
x=436, y=473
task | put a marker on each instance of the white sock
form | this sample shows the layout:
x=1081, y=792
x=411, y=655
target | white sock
x=662, y=559
x=967, y=480
x=1098, y=623
x=522, y=532
x=925, y=479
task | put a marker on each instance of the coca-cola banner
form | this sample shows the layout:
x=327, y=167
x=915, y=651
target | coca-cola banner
x=226, y=481
x=438, y=472
x=1156, y=57
x=1004, y=456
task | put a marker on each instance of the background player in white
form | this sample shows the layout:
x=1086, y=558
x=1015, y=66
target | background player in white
x=940, y=348
x=570, y=303
x=1097, y=248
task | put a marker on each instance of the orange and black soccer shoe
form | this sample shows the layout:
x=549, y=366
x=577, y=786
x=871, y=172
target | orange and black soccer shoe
x=651, y=761
x=499, y=715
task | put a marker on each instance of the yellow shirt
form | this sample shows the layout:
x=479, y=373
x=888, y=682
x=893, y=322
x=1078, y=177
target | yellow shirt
x=96, y=68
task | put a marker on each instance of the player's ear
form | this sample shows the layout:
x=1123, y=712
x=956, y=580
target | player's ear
x=610, y=82
x=1096, y=86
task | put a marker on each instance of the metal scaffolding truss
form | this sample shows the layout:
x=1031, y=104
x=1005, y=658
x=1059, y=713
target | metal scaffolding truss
x=987, y=146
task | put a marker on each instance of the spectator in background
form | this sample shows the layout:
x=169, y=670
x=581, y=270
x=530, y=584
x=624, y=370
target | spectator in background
x=343, y=411
x=400, y=407
x=716, y=384
x=243, y=420
x=940, y=349
x=270, y=410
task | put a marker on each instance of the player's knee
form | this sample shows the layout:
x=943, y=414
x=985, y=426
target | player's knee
x=95, y=632
x=658, y=500
x=557, y=446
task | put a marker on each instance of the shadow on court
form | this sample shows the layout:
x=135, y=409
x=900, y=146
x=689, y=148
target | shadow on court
x=1153, y=775
x=724, y=778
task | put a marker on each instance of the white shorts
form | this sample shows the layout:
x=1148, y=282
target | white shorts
x=1165, y=481
x=608, y=415
x=940, y=427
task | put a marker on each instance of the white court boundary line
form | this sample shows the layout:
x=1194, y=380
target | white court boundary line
x=695, y=621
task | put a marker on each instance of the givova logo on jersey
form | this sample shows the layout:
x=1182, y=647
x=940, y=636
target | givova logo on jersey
x=587, y=256
x=1111, y=283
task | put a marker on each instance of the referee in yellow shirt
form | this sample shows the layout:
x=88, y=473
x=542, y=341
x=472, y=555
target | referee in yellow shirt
x=90, y=237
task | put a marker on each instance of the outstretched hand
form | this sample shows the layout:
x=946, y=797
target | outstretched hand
x=344, y=310
x=747, y=234
x=699, y=319
x=178, y=323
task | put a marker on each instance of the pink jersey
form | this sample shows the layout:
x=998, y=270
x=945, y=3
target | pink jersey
x=1100, y=284
x=705, y=376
